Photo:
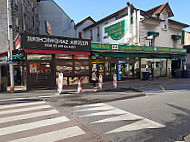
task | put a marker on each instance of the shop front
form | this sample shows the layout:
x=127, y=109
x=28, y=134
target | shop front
x=47, y=56
x=129, y=62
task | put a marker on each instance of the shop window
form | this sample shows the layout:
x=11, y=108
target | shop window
x=66, y=67
x=64, y=80
x=38, y=57
x=37, y=67
x=107, y=66
x=63, y=56
x=82, y=68
x=81, y=57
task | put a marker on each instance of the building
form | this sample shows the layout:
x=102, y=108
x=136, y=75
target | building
x=44, y=45
x=56, y=19
x=23, y=18
x=132, y=41
x=187, y=46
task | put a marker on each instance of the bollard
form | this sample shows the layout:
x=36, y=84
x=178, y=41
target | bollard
x=60, y=83
x=79, y=87
x=100, y=82
x=114, y=81
x=11, y=89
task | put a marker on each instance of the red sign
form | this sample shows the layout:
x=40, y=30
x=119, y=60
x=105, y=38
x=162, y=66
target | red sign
x=48, y=28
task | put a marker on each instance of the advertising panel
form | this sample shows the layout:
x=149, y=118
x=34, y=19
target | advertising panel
x=116, y=32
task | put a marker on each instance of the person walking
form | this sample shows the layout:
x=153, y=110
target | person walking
x=94, y=79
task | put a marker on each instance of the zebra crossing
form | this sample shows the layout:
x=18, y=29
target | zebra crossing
x=106, y=113
x=36, y=121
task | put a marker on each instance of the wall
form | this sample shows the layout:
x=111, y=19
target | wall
x=3, y=26
x=61, y=24
x=82, y=26
x=164, y=39
x=187, y=38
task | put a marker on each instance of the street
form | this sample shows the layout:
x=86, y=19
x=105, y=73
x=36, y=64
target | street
x=161, y=115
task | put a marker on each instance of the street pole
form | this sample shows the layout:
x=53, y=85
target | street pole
x=10, y=47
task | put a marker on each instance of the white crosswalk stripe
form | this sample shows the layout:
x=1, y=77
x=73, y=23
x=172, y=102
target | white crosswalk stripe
x=24, y=109
x=21, y=104
x=54, y=136
x=121, y=115
x=35, y=119
x=27, y=116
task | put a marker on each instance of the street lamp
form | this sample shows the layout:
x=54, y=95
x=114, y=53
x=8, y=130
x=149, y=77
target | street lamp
x=10, y=47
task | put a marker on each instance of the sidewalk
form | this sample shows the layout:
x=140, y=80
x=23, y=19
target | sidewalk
x=127, y=84
x=87, y=90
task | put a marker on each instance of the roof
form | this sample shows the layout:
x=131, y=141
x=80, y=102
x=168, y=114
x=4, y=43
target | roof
x=147, y=15
x=159, y=9
x=178, y=23
x=88, y=18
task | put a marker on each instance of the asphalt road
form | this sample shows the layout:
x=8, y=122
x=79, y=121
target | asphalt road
x=161, y=116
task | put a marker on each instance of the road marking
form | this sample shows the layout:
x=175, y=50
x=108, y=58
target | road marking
x=54, y=136
x=142, y=124
x=91, y=105
x=96, y=108
x=126, y=117
x=20, y=104
x=114, y=111
x=33, y=125
x=24, y=109
x=27, y=116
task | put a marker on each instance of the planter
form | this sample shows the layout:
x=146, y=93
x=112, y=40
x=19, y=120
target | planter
x=186, y=74
x=145, y=75
x=178, y=74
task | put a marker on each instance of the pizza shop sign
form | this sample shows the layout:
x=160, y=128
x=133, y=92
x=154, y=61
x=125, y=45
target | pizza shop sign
x=57, y=43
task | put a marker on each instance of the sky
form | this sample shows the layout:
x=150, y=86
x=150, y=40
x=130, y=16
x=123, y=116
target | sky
x=98, y=9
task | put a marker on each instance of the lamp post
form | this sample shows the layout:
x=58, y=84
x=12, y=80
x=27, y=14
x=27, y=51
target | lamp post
x=10, y=47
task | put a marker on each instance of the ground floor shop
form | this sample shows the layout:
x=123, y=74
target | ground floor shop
x=44, y=57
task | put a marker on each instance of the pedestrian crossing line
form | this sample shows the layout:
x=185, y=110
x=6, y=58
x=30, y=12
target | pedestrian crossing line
x=91, y=105
x=139, y=125
x=33, y=125
x=105, y=107
x=114, y=111
x=24, y=109
x=21, y=104
x=53, y=136
x=27, y=116
x=126, y=117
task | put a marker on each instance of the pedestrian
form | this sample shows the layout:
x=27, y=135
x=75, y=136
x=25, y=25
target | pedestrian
x=94, y=78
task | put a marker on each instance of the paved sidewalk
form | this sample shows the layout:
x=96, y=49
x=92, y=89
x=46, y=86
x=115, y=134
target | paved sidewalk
x=88, y=89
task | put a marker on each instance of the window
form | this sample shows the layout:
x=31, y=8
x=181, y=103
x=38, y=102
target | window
x=80, y=35
x=37, y=67
x=165, y=25
x=82, y=68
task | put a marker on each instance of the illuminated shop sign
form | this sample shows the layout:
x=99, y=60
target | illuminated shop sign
x=55, y=43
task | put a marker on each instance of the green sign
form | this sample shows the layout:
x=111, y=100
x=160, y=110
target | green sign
x=136, y=48
x=117, y=31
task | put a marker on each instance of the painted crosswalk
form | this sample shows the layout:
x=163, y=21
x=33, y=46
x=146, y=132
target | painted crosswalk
x=112, y=114
x=36, y=121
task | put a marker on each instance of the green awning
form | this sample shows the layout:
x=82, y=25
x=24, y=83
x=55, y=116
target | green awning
x=176, y=37
x=111, y=54
x=114, y=54
x=155, y=34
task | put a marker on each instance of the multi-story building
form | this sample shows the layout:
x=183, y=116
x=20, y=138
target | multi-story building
x=57, y=20
x=137, y=40
x=187, y=46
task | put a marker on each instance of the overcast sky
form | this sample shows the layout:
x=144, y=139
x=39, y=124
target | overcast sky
x=97, y=9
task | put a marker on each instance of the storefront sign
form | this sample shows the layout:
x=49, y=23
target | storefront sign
x=136, y=48
x=55, y=43
x=117, y=31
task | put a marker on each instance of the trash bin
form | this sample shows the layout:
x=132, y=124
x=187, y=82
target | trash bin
x=186, y=73
x=145, y=75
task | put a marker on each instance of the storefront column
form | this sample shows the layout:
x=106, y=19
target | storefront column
x=0, y=79
x=142, y=67
x=169, y=68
